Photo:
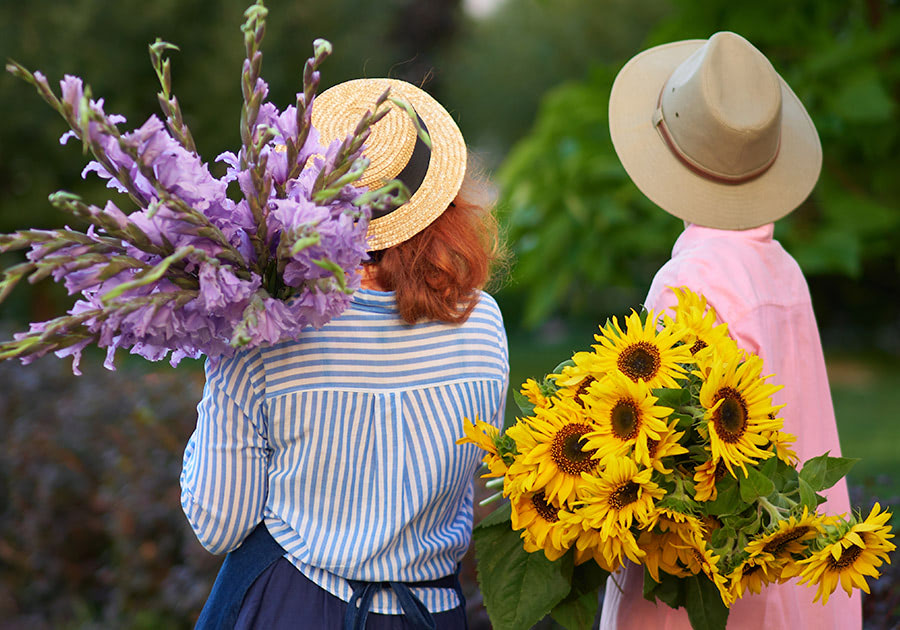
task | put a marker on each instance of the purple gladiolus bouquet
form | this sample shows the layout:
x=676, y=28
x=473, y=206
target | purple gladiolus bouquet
x=189, y=270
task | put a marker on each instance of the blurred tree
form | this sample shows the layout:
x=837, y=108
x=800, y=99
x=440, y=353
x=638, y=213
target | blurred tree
x=577, y=219
x=502, y=63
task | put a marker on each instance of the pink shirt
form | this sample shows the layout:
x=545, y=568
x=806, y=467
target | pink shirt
x=758, y=289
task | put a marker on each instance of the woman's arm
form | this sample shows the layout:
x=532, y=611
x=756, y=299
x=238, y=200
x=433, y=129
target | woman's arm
x=223, y=479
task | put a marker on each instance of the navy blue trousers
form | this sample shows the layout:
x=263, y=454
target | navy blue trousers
x=258, y=589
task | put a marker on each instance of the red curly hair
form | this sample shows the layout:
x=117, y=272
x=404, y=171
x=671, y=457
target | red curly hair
x=437, y=273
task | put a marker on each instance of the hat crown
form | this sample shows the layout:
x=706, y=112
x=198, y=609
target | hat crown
x=722, y=108
x=391, y=140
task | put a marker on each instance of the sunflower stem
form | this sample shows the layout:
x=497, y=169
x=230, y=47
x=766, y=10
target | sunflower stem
x=490, y=499
x=775, y=513
x=494, y=483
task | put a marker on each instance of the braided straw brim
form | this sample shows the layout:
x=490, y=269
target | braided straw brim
x=336, y=113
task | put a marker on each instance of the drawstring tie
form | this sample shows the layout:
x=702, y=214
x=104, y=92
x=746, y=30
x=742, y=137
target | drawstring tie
x=415, y=611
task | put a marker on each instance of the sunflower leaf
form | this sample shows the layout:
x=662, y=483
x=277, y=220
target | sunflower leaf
x=808, y=496
x=519, y=588
x=813, y=472
x=673, y=398
x=522, y=402
x=499, y=516
x=669, y=590
x=704, y=604
x=836, y=468
x=579, y=608
x=755, y=485
x=728, y=499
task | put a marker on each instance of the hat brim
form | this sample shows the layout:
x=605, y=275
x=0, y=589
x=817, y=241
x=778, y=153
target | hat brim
x=446, y=166
x=682, y=192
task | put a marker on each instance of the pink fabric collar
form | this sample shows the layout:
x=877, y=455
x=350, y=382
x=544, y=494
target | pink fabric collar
x=694, y=234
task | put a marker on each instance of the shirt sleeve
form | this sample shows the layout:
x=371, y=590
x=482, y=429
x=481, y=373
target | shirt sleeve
x=703, y=278
x=223, y=478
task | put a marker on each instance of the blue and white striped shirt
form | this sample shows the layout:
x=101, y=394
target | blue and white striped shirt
x=343, y=442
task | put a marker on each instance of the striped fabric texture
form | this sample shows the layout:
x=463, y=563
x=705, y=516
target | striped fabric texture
x=343, y=442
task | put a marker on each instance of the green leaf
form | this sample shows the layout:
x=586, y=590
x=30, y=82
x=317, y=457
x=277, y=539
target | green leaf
x=524, y=405
x=808, y=496
x=498, y=517
x=755, y=485
x=579, y=609
x=669, y=590
x=728, y=498
x=519, y=588
x=813, y=472
x=704, y=604
x=673, y=398
x=836, y=468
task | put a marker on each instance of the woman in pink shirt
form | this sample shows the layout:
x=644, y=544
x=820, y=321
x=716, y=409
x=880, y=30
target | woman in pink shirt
x=711, y=133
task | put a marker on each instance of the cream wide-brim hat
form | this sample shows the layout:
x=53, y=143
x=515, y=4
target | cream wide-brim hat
x=389, y=147
x=713, y=83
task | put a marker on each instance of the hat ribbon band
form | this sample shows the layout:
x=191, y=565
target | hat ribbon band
x=413, y=174
x=659, y=122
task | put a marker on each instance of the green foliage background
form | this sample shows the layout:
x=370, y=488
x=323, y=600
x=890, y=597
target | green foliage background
x=580, y=227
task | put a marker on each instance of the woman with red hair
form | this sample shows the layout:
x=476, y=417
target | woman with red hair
x=327, y=467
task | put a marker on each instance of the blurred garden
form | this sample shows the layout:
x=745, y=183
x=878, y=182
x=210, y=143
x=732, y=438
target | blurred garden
x=91, y=529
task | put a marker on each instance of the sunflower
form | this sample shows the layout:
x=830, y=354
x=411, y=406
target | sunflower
x=782, y=442
x=668, y=445
x=686, y=526
x=702, y=559
x=574, y=380
x=534, y=393
x=626, y=416
x=786, y=537
x=854, y=555
x=662, y=553
x=552, y=454
x=609, y=552
x=706, y=475
x=641, y=353
x=752, y=574
x=738, y=403
x=697, y=321
x=485, y=436
x=618, y=497
x=542, y=528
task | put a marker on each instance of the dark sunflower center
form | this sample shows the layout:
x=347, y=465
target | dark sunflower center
x=546, y=511
x=639, y=360
x=751, y=569
x=720, y=470
x=582, y=389
x=782, y=540
x=699, y=557
x=652, y=446
x=731, y=416
x=567, y=451
x=848, y=557
x=625, y=494
x=698, y=346
x=625, y=418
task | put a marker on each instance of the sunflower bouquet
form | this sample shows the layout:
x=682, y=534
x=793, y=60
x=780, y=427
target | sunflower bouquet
x=183, y=263
x=660, y=446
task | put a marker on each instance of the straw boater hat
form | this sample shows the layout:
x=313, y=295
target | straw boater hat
x=712, y=134
x=433, y=176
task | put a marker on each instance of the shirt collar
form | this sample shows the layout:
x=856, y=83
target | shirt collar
x=694, y=234
x=375, y=301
